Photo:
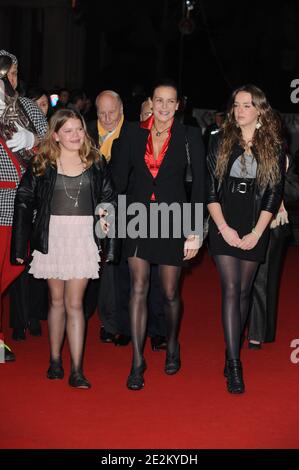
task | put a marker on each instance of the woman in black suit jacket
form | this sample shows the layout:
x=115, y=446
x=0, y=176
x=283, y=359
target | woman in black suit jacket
x=148, y=165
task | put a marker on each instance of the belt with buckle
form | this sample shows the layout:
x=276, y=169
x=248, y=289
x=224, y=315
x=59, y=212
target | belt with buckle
x=242, y=187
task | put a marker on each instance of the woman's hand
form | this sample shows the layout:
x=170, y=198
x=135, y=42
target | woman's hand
x=280, y=219
x=231, y=236
x=282, y=216
x=20, y=260
x=248, y=242
x=103, y=222
x=191, y=246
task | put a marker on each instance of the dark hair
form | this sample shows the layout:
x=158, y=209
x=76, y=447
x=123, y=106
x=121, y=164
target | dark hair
x=167, y=82
x=266, y=142
x=5, y=64
x=35, y=93
x=76, y=95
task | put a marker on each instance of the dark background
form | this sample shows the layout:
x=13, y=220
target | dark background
x=118, y=44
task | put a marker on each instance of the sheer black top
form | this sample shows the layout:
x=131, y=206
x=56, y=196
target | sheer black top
x=76, y=186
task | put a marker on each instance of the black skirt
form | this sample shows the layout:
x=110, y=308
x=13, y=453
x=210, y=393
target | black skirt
x=238, y=211
x=159, y=249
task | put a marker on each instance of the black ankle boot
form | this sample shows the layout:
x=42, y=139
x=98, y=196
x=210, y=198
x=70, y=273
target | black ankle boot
x=173, y=361
x=235, y=383
x=77, y=380
x=18, y=334
x=135, y=380
x=225, y=370
x=34, y=327
x=55, y=370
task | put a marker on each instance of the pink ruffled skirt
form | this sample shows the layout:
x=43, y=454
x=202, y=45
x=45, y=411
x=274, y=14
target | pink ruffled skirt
x=72, y=253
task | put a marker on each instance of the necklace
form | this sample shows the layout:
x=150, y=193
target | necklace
x=65, y=188
x=248, y=145
x=158, y=133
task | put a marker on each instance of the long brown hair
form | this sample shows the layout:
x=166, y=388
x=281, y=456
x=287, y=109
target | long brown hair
x=48, y=149
x=266, y=142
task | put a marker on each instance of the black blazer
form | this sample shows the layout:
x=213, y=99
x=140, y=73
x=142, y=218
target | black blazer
x=267, y=199
x=132, y=176
x=35, y=193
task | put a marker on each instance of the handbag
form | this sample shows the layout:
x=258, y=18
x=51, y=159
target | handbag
x=188, y=186
x=112, y=249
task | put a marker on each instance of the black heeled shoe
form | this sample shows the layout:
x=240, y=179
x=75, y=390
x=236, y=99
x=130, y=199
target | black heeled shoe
x=135, y=380
x=254, y=345
x=122, y=340
x=77, y=380
x=105, y=336
x=235, y=383
x=18, y=334
x=55, y=370
x=173, y=361
x=158, y=343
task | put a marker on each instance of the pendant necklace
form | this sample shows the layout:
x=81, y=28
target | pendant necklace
x=158, y=133
x=76, y=198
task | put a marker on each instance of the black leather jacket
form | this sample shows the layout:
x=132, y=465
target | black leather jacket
x=266, y=199
x=35, y=193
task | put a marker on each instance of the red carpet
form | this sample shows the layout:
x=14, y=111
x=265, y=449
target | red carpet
x=189, y=410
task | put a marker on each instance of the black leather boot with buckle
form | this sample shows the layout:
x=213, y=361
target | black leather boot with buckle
x=235, y=383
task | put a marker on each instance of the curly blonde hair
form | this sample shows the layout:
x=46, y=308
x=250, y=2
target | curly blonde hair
x=266, y=143
x=49, y=150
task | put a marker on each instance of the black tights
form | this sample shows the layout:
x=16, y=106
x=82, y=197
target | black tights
x=236, y=282
x=169, y=280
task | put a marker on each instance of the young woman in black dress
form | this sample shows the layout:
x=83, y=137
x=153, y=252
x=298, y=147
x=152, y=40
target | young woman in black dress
x=148, y=165
x=246, y=165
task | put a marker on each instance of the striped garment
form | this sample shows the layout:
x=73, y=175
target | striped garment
x=8, y=172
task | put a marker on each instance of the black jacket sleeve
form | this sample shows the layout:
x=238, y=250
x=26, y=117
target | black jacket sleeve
x=212, y=185
x=120, y=162
x=108, y=194
x=198, y=165
x=198, y=161
x=23, y=216
x=111, y=244
x=272, y=196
